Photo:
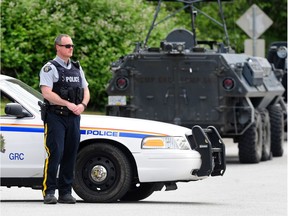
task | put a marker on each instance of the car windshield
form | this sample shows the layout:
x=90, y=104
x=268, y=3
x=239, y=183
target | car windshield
x=21, y=92
x=18, y=84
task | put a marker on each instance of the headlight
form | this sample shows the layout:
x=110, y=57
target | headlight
x=165, y=143
x=282, y=52
x=122, y=83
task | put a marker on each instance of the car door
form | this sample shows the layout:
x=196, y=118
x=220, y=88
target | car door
x=21, y=142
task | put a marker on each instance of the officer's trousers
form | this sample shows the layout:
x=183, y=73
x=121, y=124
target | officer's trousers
x=61, y=141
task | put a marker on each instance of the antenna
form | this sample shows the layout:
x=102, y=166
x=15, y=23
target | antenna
x=193, y=12
x=153, y=22
x=224, y=23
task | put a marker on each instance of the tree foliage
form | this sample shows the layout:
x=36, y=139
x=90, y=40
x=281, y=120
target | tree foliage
x=233, y=10
x=102, y=31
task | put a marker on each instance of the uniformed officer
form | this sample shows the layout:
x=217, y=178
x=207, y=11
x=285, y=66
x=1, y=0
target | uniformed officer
x=66, y=94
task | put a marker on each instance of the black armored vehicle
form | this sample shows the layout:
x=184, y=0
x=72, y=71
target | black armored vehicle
x=189, y=82
x=277, y=56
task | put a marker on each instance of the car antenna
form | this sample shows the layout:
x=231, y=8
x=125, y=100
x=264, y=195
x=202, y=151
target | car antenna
x=193, y=11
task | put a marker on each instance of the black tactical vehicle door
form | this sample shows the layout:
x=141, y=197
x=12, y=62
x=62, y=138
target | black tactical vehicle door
x=176, y=88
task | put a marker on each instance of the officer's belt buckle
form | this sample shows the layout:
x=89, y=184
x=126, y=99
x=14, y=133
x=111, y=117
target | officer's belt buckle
x=60, y=110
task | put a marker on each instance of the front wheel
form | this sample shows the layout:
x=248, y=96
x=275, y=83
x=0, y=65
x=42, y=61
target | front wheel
x=250, y=143
x=266, y=149
x=277, y=130
x=102, y=173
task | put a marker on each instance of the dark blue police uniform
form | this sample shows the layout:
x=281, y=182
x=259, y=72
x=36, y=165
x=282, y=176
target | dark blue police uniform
x=62, y=132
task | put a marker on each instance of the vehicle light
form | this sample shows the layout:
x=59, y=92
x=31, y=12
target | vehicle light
x=180, y=47
x=282, y=52
x=228, y=84
x=122, y=83
x=153, y=142
x=165, y=143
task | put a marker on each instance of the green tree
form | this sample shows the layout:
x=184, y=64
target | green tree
x=233, y=10
x=101, y=30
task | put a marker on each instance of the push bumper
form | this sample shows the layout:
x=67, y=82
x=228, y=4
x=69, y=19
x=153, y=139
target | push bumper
x=209, y=144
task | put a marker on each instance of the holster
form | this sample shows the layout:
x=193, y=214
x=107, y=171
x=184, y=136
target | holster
x=43, y=109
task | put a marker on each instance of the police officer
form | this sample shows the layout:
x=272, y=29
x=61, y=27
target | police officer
x=66, y=94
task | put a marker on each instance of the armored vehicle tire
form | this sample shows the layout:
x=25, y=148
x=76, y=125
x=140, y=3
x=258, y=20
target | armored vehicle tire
x=102, y=173
x=139, y=192
x=250, y=143
x=266, y=130
x=277, y=130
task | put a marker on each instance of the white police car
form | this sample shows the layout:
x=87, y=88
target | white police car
x=118, y=159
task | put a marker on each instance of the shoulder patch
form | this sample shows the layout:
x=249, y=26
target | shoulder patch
x=47, y=68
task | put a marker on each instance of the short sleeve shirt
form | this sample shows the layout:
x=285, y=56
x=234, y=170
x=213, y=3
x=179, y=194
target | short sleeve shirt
x=49, y=73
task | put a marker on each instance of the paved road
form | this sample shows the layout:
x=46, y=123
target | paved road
x=244, y=190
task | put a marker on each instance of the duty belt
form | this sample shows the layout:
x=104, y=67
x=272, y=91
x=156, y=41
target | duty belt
x=60, y=110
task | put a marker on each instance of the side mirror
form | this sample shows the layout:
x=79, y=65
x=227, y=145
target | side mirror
x=16, y=109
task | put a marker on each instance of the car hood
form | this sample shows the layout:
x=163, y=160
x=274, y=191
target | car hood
x=132, y=124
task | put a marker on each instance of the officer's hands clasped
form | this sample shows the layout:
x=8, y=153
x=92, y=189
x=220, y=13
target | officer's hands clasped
x=76, y=109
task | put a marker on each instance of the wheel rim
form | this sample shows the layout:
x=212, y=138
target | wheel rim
x=99, y=174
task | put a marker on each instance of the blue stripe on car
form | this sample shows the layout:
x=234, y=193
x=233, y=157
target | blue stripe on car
x=41, y=130
x=22, y=129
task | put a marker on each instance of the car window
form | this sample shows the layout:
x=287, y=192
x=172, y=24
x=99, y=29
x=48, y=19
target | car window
x=24, y=93
x=4, y=100
x=18, y=86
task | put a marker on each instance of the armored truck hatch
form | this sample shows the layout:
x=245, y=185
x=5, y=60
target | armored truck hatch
x=189, y=82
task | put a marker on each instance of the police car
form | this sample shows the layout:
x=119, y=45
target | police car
x=119, y=159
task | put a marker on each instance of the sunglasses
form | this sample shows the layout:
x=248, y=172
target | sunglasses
x=68, y=46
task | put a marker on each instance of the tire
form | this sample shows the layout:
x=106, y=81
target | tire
x=266, y=135
x=277, y=130
x=102, y=173
x=140, y=192
x=250, y=143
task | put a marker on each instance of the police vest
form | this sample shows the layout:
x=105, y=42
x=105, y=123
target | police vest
x=68, y=86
